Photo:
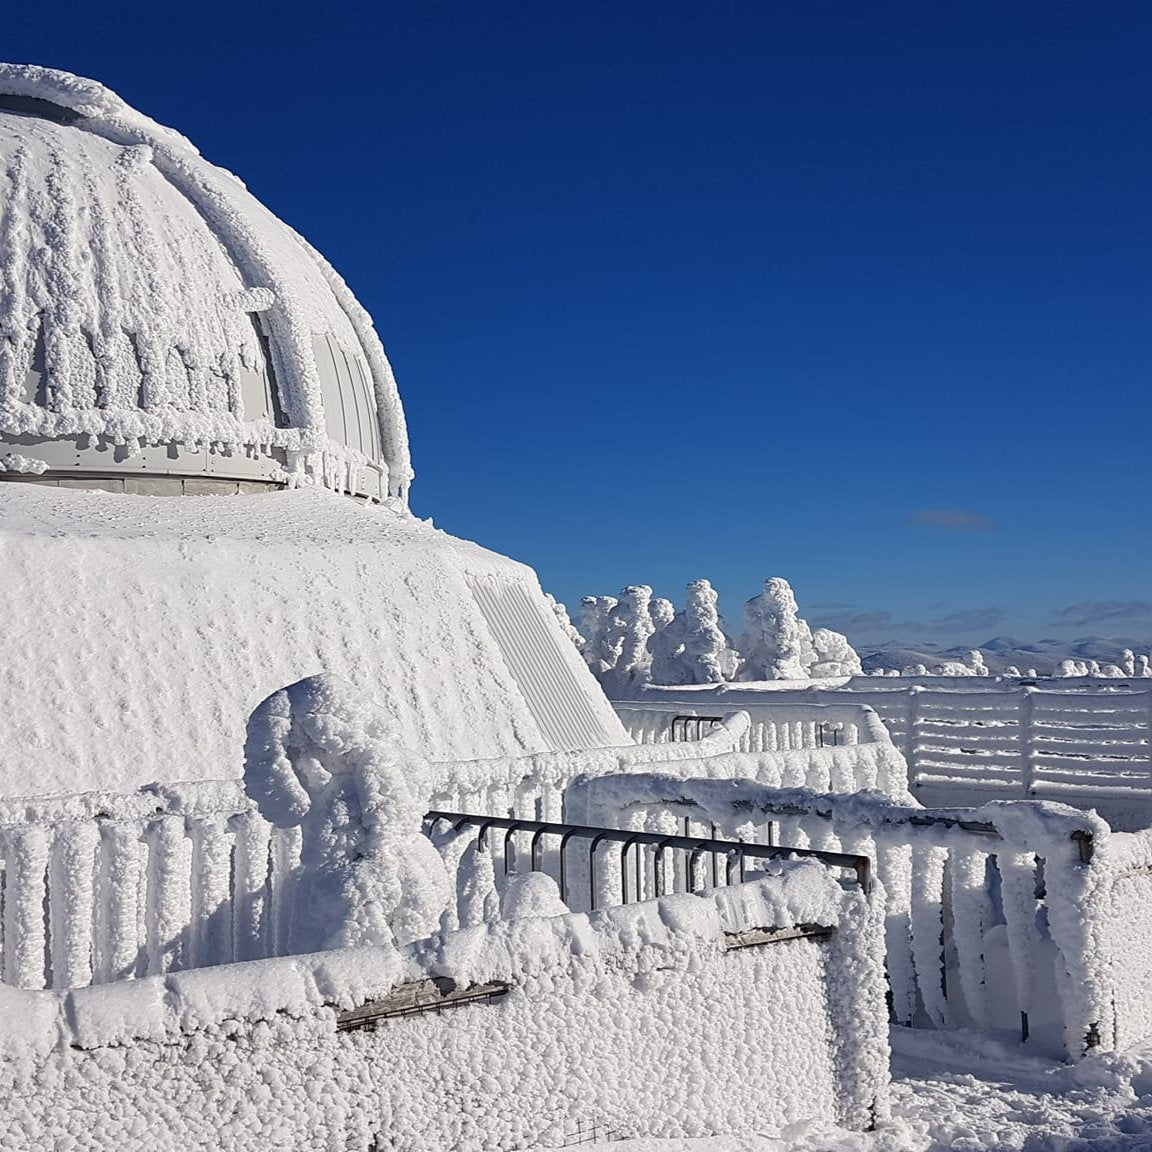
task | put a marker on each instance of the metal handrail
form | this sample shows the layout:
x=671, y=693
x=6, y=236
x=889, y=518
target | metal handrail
x=735, y=852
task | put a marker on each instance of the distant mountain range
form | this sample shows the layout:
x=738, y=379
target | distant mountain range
x=1002, y=652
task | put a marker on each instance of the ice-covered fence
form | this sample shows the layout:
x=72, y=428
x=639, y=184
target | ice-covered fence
x=597, y=867
x=106, y=886
x=1085, y=745
x=835, y=747
x=773, y=726
x=1002, y=917
x=1026, y=741
x=629, y=1023
x=533, y=786
x=102, y=886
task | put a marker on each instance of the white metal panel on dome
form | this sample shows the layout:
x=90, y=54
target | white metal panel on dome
x=567, y=704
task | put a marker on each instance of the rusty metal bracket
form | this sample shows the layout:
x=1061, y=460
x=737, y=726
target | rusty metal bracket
x=432, y=995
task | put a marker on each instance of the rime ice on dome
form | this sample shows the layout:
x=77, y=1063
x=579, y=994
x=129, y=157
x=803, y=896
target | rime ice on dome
x=156, y=319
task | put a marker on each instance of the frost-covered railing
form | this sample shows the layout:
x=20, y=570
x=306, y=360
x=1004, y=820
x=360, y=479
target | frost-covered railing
x=1009, y=917
x=782, y=726
x=597, y=867
x=637, y=1006
x=102, y=886
x=1027, y=741
x=1082, y=745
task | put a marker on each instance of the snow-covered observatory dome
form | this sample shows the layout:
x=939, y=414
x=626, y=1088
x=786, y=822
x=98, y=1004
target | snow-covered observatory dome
x=162, y=333
x=160, y=330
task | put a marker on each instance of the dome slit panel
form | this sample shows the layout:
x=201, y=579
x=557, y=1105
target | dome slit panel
x=373, y=412
x=330, y=384
x=360, y=396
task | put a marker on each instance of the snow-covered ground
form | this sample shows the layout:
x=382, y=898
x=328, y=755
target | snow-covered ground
x=971, y=1094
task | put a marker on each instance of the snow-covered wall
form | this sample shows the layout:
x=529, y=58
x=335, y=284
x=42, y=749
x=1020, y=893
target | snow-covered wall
x=140, y=633
x=639, y=1020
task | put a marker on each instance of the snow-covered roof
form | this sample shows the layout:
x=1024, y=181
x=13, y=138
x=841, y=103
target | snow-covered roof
x=148, y=299
x=140, y=633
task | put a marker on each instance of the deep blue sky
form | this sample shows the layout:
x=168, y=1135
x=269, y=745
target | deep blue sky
x=856, y=294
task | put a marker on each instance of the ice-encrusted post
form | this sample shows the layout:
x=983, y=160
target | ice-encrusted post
x=320, y=758
x=1027, y=738
x=914, y=694
x=26, y=853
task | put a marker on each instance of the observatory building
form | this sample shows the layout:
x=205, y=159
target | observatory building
x=204, y=476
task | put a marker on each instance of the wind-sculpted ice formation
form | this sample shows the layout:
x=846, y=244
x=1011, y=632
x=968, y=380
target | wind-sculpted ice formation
x=320, y=756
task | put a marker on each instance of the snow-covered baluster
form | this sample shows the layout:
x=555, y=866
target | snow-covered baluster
x=862, y=770
x=71, y=885
x=894, y=870
x=1018, y=891
x=119, y=932
x=250, y=885
x=526, y=800
x=26, y=850
x=927, y=923
x=1026, y=734
x=211, y=934
x=604, y=884
x=1074, y=887
x=971, y=917
x=286, y=847
x=551, y=803
x=169, y=896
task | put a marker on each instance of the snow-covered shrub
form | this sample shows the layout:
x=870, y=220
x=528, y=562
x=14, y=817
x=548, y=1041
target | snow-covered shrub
x=320, y=756
x=973, y=664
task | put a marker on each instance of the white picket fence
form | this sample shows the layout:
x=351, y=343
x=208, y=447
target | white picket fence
x=1018, y=916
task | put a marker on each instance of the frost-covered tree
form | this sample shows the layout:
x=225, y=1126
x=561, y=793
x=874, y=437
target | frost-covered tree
x=600, y=654
x=663, y=612
x=774, y=636
x=708, y=656
x=693, y=649
x=566, y=625
x=626, y=632
x=663, y=644
x=833, y=655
